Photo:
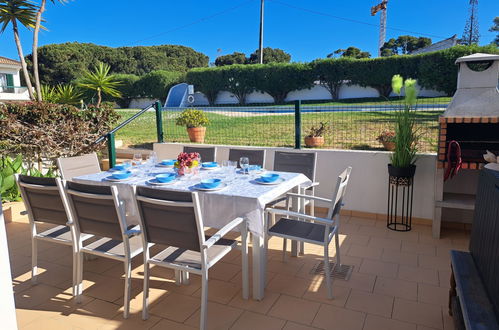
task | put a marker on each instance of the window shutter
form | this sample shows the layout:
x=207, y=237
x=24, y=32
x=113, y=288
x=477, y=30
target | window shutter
x=10, y=80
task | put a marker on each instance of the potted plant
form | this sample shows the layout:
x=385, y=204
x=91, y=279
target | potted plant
x=387, y=139
x=195, y=121
x=11, y=199
x=404, y=155
x=315, y=137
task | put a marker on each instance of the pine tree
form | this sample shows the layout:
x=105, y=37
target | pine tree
x=471, y=35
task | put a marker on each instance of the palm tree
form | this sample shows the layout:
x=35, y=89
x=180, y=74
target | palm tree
x=23, y=11
x=38, y=25
x=100, y=81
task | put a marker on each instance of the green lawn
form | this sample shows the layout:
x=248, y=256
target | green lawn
x=350, y=130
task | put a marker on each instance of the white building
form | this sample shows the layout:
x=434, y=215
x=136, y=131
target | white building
x=10, y=81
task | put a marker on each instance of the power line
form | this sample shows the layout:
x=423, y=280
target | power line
x=311, y=11
x=200, y=20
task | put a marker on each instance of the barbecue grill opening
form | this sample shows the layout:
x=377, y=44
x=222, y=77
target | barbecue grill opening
x=479, y=66
x=474, y=139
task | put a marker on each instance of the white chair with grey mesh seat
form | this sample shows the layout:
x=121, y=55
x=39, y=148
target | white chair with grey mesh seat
x=175, y=220
x=98, y=210
x=44, y=201
x=316, y=230
x=208, y=154
x=255, y=156
x=69, y=167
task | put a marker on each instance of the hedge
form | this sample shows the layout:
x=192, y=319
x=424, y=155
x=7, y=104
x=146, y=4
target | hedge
x=435, y=70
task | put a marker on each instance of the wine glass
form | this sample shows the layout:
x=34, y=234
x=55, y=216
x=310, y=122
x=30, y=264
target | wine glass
x=244, y=164
x=137, y=159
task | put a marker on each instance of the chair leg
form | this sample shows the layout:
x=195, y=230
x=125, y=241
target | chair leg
x=145, y=294
x=75, y=273
x=79, y=277
x=185, y=277
x=284, y=249
x=128, y=287
x=178, y=277
x=337, y=244
x=327, y=272
x=204, y=300
x=302, y=248
x=34, y=261
x=244, y=260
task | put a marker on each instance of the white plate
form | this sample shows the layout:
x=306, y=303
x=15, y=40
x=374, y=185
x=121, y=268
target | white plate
x=220, y=187
x=210, y=168
x=167, y=166
x=110, y=178
x=278, y=181
x=155, y=182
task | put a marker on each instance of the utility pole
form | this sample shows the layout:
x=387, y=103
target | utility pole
x=260, y=47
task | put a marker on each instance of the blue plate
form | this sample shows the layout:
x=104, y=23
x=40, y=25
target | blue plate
x=167, y=162
x=164, y=178
x=271, y=177
x=209, y=164
x=210, y=183
x=120, y=175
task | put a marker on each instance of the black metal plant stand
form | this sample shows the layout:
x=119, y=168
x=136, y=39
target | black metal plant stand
x=400, y=193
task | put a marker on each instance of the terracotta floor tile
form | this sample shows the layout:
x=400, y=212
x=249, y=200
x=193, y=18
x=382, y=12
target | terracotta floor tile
x=28, y=316
x=385, y=243
x=295, y=326
x=175, y=307
x=418, y=274
x=401, y=258
x=444, y=277
x=379, y=268
x=359, y=281
x=224, y=271
x=155, y=295
x=407, y=236
x=411, y=247
x=434, y=262
x=219, y=291
x=431, y=294
x=134, y=322
x=373, y=231
x=396, y=288
x=92, y=315
x=418, y=313
x=35, y=295
x=374, y=322
x=357, y=239
x=220, y=317
x=170, y=325
x=250, y=321
x=47, y=323
x=370, y=303
x=294, y=309
x=317, y=292
x=250, y=304
x=290, y=285
x=365, y=252
x=337, y=318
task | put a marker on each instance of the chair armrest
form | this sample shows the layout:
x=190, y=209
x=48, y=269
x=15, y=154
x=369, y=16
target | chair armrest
x=133, y=232
x=320, y=220
x=308, y=197
x=222, y=232
x=309, y=185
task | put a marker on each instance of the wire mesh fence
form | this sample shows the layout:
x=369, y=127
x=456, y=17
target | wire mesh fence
x=354, y=126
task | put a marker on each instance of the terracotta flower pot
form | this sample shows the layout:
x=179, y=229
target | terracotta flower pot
x=314, y=141
x=388, y=145
x=196, y=134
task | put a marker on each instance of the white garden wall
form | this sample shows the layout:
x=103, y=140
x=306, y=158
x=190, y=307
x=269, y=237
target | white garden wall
x=367, y=191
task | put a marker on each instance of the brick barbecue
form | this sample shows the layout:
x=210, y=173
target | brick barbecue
x=472, y=117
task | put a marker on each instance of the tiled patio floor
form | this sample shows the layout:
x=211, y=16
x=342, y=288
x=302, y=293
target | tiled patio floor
x=400, y=281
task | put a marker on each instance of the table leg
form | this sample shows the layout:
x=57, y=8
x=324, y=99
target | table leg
x=259, y=263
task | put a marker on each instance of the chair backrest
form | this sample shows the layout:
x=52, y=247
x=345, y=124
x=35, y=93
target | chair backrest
x=170, y=218
x=42, y=198
x=298, y=162
x=96, y=210
x=339, y=192
x=255, y=156
x=78, y=165
x=207, y=154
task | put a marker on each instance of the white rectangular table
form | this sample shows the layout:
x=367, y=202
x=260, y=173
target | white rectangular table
x=242, y=197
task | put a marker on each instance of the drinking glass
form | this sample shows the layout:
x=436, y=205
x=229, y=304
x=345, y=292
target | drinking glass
x=231, y=172
x=152, y=158
x=225, y=166
x=137, y=159
x=244, y=164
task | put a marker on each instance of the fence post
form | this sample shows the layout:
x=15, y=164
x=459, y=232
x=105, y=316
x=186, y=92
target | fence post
x=111, y=150
x=159, y=121
x=297, y=124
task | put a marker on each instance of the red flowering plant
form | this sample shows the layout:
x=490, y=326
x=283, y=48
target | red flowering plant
x=187, y=162
x=386, y=136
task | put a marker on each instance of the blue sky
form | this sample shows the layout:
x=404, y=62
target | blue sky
x=306, y=29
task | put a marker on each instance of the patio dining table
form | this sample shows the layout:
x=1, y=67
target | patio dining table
x=242, y=196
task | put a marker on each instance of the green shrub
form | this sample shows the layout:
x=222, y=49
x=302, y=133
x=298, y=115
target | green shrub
x=278, y=79
x=156, y=84
x=43, y=131
x=192, y=118
x=240, y=80
x=208, y=81
x=127, y=88
x=332, y=73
